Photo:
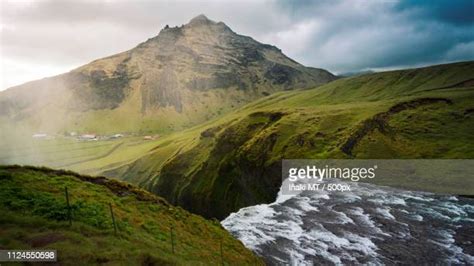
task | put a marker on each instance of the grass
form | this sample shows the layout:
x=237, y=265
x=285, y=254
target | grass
x=85, y=156
x=34, y=215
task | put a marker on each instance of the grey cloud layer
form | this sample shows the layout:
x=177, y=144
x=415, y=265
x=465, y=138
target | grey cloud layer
x=338, y=35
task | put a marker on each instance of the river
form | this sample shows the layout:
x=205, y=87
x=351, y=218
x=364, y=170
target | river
x=368, y=225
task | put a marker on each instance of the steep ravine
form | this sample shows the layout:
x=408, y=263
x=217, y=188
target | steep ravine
x=235, y=161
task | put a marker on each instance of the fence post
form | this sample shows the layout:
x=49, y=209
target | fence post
x=222, y=254
x=113, y=218
x=68, y=206
x=172, y=239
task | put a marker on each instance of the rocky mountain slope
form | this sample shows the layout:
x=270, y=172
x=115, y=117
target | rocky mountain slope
x=183, y=76
x=235, y=161
x=149, y=230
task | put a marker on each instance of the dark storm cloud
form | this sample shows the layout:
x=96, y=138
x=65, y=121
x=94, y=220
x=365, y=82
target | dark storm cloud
x=45, y=37
x=458, y=12
x=358, y=35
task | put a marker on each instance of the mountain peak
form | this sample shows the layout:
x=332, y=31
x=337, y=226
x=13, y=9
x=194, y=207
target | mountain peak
x=200, y=19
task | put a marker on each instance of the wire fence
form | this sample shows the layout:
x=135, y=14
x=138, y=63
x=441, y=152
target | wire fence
x=172, y=233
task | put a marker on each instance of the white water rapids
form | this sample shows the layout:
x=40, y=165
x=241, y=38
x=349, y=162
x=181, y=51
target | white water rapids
x=368, y=225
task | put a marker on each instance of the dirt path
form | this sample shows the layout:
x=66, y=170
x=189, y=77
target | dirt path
x=114, y=148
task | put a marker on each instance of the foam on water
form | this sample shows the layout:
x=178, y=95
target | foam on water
x=385, y=212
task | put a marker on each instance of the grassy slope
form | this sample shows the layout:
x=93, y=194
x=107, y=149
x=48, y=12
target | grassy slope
x=235, y=163
x=34, y=215
x=83, y=156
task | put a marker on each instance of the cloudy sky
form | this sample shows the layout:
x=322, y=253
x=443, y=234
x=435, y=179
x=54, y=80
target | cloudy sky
x=41, y=38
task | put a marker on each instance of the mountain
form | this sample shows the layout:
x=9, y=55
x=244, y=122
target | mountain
x=235, y=161
x=35, y=216
x=355, y=73
x=182, y=77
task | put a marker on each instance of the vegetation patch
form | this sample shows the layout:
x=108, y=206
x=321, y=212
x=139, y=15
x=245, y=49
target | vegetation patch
x=35, y=214
x=380, y=121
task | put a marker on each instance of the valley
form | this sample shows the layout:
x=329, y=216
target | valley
x=89, y=157
x=233, y=161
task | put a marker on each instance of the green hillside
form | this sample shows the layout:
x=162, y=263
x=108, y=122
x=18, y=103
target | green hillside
x=34, y=214
x=234, y=161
